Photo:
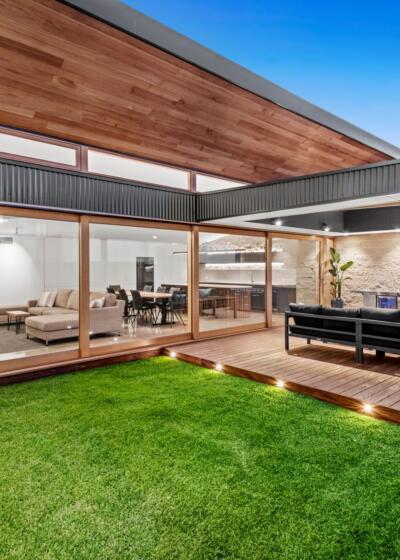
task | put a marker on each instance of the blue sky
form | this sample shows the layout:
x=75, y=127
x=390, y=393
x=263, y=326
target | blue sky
x=342, y=56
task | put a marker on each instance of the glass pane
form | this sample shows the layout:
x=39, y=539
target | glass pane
x=35, y=149
x=139, y=278
x=205, y=183
x=39, y=280
x=295, y=274
x=231, y=281
x=118, y=166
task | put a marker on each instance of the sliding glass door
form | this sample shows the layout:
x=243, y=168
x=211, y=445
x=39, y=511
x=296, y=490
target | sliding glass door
x=39, y=288
x=231, y=273
x=139, y=289
x=295, y=264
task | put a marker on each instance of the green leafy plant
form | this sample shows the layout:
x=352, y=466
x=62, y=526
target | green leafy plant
x=337, y=270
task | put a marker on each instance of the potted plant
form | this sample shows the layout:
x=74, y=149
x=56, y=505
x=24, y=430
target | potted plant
x=337, y=270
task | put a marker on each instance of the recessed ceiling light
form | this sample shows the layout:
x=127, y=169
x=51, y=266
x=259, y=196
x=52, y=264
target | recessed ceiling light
x=155, y=237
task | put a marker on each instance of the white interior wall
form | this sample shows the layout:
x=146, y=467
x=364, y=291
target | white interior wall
x=113, y=261
x=33, y=264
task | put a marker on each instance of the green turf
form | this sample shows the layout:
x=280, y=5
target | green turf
x=163, y=460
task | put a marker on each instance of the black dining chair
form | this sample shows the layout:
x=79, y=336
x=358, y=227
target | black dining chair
x=128, y=308
x=148, y=288
x=142, y=309
x=176, y=306
x=161, y=303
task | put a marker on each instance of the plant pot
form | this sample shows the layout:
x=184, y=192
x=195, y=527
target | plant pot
x=338, y=303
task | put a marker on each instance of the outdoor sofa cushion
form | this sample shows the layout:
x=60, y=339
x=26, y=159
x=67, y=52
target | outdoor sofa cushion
x=390, y=315
x=305, y=321
x=338, y=325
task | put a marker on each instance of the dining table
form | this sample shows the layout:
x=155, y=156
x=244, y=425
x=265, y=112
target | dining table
x=164, y=297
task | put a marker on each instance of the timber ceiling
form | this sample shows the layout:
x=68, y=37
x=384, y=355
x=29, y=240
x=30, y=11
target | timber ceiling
x=70, y=76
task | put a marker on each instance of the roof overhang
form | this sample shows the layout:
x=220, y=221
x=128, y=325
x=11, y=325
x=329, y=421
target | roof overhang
x=143, y=27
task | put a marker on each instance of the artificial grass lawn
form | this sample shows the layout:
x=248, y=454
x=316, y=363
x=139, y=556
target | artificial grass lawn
x=159, y=459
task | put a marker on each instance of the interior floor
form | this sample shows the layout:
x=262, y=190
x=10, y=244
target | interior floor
x=13, y=345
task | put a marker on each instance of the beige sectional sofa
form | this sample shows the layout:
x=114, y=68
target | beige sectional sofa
x=61, y=320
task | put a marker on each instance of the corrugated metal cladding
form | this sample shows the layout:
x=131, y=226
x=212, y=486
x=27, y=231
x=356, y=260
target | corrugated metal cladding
x=373, y=180
x=26, y=184
x=40, y=186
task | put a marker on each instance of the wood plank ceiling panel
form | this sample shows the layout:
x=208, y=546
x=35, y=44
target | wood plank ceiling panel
x=68, y=75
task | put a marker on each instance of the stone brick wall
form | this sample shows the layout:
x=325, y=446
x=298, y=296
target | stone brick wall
x=376, y=264
x=300, y=268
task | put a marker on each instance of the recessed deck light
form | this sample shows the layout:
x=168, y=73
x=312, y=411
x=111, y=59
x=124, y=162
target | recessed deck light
x=278, y=222
x=368, y=408
x=115, y=339
x=172, y=354
x=219, y=367
x=326, y=227
x=280, y=383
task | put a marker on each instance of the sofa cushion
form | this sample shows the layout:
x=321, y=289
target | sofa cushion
x=97, y=295
x=37, y=310
x=73, y=300
x=49, y=323
x=373, y=342
x=340, y=325
x=57, y=311
x=62, y=297
x=49, y=311
x=97, y=303
x=109, y=300
x=43, y=299
x=346, y=337
x=390, y=315
x=51, y=299
x=309, y=309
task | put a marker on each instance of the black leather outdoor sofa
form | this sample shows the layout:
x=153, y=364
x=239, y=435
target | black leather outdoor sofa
x=375, y=329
